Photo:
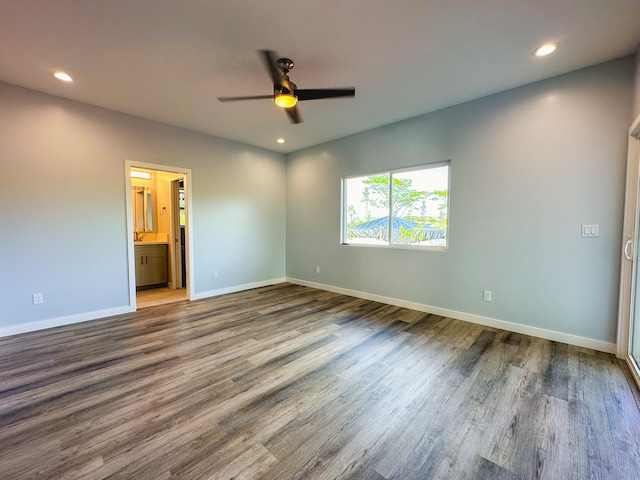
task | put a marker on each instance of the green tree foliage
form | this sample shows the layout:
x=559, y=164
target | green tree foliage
x=440, y=221
x=408, y=203
x=377, y=193
x=406, y=200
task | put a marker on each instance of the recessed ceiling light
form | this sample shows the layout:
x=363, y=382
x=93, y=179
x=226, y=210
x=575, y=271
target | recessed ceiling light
x=546, y=49
x=65, y=77
x=280, y=140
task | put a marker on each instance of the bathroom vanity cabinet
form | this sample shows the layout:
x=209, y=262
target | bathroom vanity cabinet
x=151, y=265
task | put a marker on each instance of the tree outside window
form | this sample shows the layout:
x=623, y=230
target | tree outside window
x=404, y=207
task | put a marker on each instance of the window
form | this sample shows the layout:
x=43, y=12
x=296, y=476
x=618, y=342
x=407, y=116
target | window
x=406, y=207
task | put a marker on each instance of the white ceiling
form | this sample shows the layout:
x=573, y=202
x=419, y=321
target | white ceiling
x=169, y=60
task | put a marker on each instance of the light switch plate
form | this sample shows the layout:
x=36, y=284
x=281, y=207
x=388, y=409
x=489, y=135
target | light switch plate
x=590, y=230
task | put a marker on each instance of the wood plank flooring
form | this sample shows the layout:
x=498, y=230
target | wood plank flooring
x=287, y=382
x=159, y=296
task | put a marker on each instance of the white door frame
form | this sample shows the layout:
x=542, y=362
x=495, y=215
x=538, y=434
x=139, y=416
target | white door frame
x=629, y=255
x=186, y=172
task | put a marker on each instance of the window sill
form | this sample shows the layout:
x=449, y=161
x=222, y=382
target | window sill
x=428, y=248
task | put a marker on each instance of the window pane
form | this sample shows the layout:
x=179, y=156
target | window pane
x=366, y=210
x=419, y=213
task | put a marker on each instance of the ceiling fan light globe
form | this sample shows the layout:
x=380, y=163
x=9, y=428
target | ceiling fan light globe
x=285, y=100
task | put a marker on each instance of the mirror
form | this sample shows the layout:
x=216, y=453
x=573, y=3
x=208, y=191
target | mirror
x=142, y=209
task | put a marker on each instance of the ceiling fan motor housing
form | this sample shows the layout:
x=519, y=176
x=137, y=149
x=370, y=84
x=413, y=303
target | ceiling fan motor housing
x=284, y=64
x=285, y=92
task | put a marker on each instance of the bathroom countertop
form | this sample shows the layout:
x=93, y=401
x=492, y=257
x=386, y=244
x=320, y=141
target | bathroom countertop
x=151, y=242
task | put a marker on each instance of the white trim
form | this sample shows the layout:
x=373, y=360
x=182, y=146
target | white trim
x=632, y=368
x=110, y=312
x=634, y=129
x=61, y=321
x=470, y=317
x=128, y=164
x=629, y=232
x=128, y=200
x=237, y=288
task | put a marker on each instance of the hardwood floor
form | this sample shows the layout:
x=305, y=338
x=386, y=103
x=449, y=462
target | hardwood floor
x=288, y=382
x=159, y=296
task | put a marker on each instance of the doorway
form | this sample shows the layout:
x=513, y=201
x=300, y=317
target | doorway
x=159, y=233
x=628, y=341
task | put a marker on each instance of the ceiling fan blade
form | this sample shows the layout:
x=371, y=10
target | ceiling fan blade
x=234, y=99
x=270, y=60
x=293, y=114
x=318, y=93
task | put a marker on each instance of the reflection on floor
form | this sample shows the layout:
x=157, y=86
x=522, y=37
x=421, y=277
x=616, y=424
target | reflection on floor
x=159, y=296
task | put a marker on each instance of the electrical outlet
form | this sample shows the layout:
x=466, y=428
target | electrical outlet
x=317, y=269
x=486, y=295
x=37, y=298
x=215, y=274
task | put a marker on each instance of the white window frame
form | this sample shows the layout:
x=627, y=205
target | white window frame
x=391, y=172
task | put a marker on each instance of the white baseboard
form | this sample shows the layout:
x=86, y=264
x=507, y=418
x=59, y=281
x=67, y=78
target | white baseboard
x=87, y=316
x=470, y=317
x=236, y=288
x=60, y=321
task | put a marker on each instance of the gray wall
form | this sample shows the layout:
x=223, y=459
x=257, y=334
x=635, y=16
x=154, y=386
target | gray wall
x=62, y=190
x=528, y=167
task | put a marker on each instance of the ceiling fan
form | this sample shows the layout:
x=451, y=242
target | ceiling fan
x=286, y=94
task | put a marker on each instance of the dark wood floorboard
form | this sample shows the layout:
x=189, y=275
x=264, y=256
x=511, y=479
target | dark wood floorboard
x=287, y=382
